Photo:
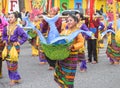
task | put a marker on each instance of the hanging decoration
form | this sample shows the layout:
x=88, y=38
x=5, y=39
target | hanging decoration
x=38, y=7
x=91, y=10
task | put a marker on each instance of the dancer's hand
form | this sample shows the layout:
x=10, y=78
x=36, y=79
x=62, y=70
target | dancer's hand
x=16, y=43
x=5, y=43
x=71, y=48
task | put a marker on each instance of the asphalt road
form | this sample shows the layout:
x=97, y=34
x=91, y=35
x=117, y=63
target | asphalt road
x=34, y=75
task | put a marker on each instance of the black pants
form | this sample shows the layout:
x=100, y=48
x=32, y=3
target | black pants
x=0, y=65
x=51, y=62
x=92, y=49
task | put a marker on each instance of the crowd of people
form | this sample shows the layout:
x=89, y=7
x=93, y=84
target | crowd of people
x=13, y=33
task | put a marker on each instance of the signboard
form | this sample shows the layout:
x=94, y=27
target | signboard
x=77, y=4
x=64, y=5
x=13, y=5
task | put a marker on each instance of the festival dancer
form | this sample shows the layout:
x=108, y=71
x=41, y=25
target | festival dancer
x=13, y=35
x=45, y=29
x=3, y=23
x=34, y=41
x=81, y=53
x=66, y=69
x=113, y=48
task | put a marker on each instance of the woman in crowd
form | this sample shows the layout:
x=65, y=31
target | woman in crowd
x=113, y=48
x=13, y=35
x=3, y=23
x=41, y=53
x=45, y=29
x=34, y=40
x=65, y=69
x=81, y=53
x=92, y=43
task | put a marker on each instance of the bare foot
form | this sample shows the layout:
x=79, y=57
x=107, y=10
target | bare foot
x=51, y=68
x=94, y=62
x=42, y=63
x=83, y=70
x=17, y=81
x=59, y=87
x=116, y=63
x=111, y=63
x=12, y=83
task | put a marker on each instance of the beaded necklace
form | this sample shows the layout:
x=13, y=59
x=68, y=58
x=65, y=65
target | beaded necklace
x=10, y=29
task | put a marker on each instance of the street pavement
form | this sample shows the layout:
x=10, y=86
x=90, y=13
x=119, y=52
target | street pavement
x=34, y=75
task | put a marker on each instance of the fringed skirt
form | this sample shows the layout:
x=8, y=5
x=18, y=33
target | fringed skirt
x=113, y=51
x=42, y=57
x=81, y=56
x=13, y=66
x=65, y=72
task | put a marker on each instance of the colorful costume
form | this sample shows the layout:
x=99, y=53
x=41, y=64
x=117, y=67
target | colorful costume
x=3, y=23
x=65, y=69
x=81, y=52
x=100, y=30
x=113, y=49
x=34, y=41
x=45, y=30
x=11, y=35
x=42, y=57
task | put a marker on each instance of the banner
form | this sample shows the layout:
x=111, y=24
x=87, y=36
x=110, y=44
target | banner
x=84, y=4
x=71, y=6
x=99, y=3
x=4, y=6
x=28, y=5
x=114, y=12
x=64, y=5
x=38, y=7
x=77, y=4
x=13, y=5
x=0, y=5
x=57, y=3
x=109, y=10
x=91, y=9
x=49, y=5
